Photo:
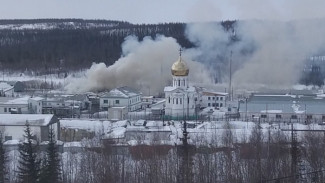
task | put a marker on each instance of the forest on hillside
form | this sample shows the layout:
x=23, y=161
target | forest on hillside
x=73, y=44
x=49, y=46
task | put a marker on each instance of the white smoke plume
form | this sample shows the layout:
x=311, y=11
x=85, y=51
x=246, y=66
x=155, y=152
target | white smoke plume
x=268, y=53
x=144, y=65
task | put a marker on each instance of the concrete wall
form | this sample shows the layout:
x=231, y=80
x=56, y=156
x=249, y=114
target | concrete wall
x=21, y=108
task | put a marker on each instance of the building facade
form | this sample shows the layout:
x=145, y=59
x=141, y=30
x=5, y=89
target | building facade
x=12, y=126
x=213, y=99
x=181, y=99
x=14, y=105
x=121, y=97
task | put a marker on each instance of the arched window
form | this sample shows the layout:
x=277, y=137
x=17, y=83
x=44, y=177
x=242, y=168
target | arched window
x=176, y=100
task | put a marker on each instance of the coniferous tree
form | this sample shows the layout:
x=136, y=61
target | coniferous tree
x=29, y=165
x=51, y=170
x=3, y=161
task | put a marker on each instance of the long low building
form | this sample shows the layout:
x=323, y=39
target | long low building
x=12, y=126
x=284, y=107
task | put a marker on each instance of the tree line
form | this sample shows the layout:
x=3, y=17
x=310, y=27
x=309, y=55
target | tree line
x=261, y=156
x=78, y=45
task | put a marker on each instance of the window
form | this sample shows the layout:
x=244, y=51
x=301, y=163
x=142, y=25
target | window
x=217, y=98
x=180, y=101
x=212, y=98
x=263, y=116
x=209, y=104
x=309, y=116
x=179, y=82
x=5, y=109
x=168, y=99
x=8, y=138
x=278, y=116
x=209, y=98
x=105, y=101
x=220, y=104
x=117, y=101
x=213, y=105
x=294, y=117
x=221, y=98
x=217, y=104
x=176, y=100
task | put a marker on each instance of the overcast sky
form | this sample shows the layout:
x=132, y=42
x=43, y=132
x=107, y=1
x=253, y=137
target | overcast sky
x=159, y=11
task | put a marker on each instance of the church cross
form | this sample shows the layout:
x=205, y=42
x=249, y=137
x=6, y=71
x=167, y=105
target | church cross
x=180, y=52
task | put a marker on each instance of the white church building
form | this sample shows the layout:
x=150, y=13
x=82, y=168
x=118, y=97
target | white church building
x=181, y=98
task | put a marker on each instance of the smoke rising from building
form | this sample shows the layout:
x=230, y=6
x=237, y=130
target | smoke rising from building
x=265, y=53
x=144, y=65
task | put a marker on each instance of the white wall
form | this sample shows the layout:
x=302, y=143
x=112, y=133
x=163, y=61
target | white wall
x=4, y=108
x=133, y=103
x=177, y=104
x=218, y=101
x=35, y=105
x=17, y=132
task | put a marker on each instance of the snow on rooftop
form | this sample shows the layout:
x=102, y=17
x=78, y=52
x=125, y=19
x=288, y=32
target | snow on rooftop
x=154, y=123
x=4, y=86
x=89, y=125
x=118, y=132
x=271, y=111
x=73, y=144
x=22, y=100
x=119, y=124
x=274, y=95
x=11, y=142
x=36, y=98
x=172, y=88
x=21, y=119
x=215, y=93
x=122, y=92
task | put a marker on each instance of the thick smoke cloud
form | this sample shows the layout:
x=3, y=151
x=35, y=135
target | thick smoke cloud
x=144, y=65
x=267, y=53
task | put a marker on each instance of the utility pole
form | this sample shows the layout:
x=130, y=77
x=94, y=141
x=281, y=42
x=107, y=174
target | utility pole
x=230, y=76
x=294, y=154
x=185, y=169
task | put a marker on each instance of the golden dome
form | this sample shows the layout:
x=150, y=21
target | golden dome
x=179, y=68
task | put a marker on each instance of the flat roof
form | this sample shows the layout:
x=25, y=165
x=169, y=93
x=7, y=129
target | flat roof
x=21, y=119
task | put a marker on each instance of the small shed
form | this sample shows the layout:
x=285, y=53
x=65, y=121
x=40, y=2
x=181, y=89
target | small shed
x=13, y=126
x=117, y=113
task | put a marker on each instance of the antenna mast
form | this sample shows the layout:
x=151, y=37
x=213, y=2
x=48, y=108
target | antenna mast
x=230, y=76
